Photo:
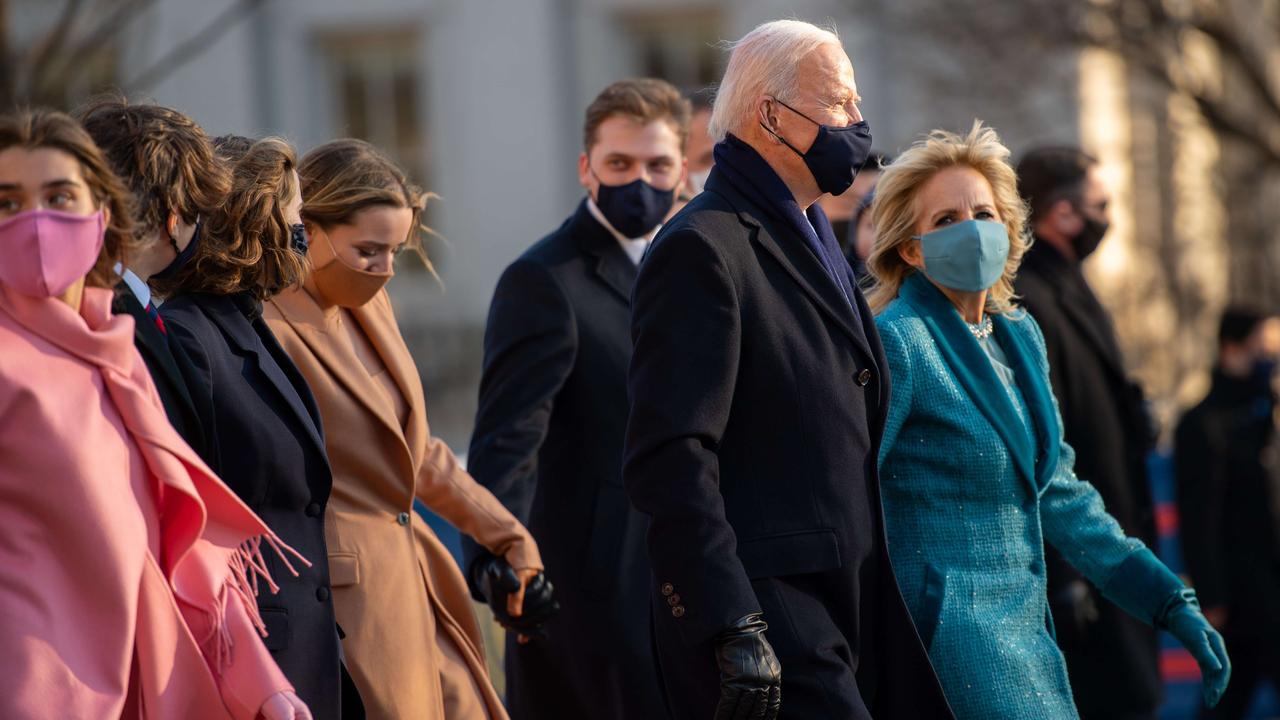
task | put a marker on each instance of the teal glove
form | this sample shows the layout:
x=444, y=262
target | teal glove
x=1185, y=622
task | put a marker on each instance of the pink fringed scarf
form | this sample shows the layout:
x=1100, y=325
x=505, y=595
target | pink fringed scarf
x=210, y=543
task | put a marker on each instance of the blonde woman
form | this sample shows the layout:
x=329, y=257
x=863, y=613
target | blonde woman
x=412, y=642
x=975, y=473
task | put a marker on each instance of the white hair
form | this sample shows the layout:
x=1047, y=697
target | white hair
x=763, y=62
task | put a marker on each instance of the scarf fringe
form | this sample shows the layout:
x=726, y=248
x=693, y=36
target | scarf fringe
x=247, y=565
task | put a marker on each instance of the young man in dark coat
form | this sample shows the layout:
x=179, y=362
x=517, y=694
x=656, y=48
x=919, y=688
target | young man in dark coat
x=1111, y=657
x=553, y=410
x=168, y=163
x=758, y=399
x=1225, y=461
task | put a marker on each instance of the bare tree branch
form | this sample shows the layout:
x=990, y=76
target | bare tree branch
x=44, y=52
x=188, y=50
x=111, y=27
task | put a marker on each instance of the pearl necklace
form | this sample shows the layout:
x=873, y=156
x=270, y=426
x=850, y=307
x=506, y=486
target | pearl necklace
x=982, y=330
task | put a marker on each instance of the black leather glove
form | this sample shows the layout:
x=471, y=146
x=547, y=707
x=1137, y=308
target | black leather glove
x=750, y=676
x=496, y=580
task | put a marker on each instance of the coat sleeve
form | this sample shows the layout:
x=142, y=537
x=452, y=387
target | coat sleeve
x=1202, y=484
x=895, y=353
x=1077, y=523
x=686, y=329
x=447, y=489
x=529, y=348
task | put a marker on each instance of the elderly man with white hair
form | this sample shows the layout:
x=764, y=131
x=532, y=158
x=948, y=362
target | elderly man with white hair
x=759, y=396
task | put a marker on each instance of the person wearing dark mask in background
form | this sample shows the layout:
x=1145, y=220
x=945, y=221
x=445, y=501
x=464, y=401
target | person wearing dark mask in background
x=553, y=411
x=1229, y=502
x=168, y=163
x=862, y=237
x=1111, y=657
x=759, y=392
x=698, y=148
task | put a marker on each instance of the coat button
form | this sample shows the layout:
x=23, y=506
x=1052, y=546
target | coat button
x=667, y=589
x=673, y=600
x=313, y=510
x=322, y=594
x=403, y=518
x=864, y=377
x=677, y=611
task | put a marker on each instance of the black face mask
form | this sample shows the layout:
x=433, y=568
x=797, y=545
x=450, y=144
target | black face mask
x=836, y=153
x=183, y=256
x=298, y=241
x=635, y=208
x=1090, y=236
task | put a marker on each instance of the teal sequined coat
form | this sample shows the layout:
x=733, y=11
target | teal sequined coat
x=976, y=479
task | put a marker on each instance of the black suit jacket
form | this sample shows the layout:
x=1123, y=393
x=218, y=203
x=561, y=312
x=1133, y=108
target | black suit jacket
x=270, y=451
x=758, y=399
x=1113, y=661
x=548, y=444
x=168, y=364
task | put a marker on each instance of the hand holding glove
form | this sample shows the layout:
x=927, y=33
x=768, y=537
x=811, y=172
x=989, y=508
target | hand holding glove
x=1183, y=619
x=750, y=676
x=521, y=600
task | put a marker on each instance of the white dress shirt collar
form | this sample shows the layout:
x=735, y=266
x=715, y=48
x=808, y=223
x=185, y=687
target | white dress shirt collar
x=136, y=285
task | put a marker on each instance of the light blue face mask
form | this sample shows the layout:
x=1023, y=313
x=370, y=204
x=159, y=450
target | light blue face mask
x=967, y=256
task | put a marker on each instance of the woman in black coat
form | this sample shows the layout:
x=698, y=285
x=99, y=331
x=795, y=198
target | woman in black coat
x=265, y=438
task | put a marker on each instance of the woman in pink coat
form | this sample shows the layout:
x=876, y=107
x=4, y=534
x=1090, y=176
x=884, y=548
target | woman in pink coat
x=126, y=567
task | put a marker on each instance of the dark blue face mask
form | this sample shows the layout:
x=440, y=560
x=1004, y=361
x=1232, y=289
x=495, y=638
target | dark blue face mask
x=183, y=256
x=634, y=209
x=836, y=153
x=298, y=240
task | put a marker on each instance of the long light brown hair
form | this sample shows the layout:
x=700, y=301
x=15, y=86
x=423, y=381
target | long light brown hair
x=342, y=177
x=43, y=128
x=244, y=246
x=895, y=208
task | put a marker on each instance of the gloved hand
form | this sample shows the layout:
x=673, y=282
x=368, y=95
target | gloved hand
x=284, y=706
x=750, y=676
x=521, y=600
x=1183, y=619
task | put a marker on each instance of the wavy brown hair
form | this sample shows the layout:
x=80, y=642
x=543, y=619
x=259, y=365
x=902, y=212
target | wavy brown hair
x=44, y=128
x=244, y=245
x=342, y=177
x=162, y=155
x=895, y=208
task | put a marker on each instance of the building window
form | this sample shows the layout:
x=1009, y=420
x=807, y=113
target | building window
x=681, y=48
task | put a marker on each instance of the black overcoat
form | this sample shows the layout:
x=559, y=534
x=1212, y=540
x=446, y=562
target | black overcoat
x=758, y=401
x=269, y=449
x=548, y=444
x=1112, y=661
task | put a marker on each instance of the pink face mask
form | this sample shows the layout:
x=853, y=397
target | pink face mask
x=43, y=252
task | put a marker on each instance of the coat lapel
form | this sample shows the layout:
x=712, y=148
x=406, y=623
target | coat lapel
x=379, y=323
x=245, y=340
x=789, y=250
x=610, y=263
x=972, y=369
x=1037, y=395
x=150, y=341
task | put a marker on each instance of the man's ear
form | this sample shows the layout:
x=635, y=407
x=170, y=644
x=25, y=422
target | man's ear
x=1064, y=218
x=584, y=170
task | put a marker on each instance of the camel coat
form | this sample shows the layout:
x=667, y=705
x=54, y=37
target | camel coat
x=400, y=598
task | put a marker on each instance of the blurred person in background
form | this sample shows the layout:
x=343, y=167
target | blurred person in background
x=978, y=476
x=267, y=439
x=1228, y=475
x=553, y=413
x=1112, y=658
x=862, y=237
x=412, y=640
x=126, y=567
x=698, y=147
x=168, y=164
x=758, y=392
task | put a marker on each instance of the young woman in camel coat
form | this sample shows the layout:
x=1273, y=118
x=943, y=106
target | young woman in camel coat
x=412, y=642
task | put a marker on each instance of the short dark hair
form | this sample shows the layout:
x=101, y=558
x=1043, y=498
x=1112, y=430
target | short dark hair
x=1238, y=323
x=1049, y=174
x=642, y=99
x=163, y=156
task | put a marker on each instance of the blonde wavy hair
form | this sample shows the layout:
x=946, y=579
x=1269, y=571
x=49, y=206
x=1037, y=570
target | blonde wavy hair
x=896, y=208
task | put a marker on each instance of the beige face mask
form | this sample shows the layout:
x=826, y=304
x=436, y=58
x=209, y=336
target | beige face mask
x=346, y=286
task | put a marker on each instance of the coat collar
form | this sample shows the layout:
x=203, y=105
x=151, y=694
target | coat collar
x=611, y=263
x=149, y=338
x=790, y=250
x=316, y=328
x=1074, y=296
x=239, y=317
x=972, y=369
